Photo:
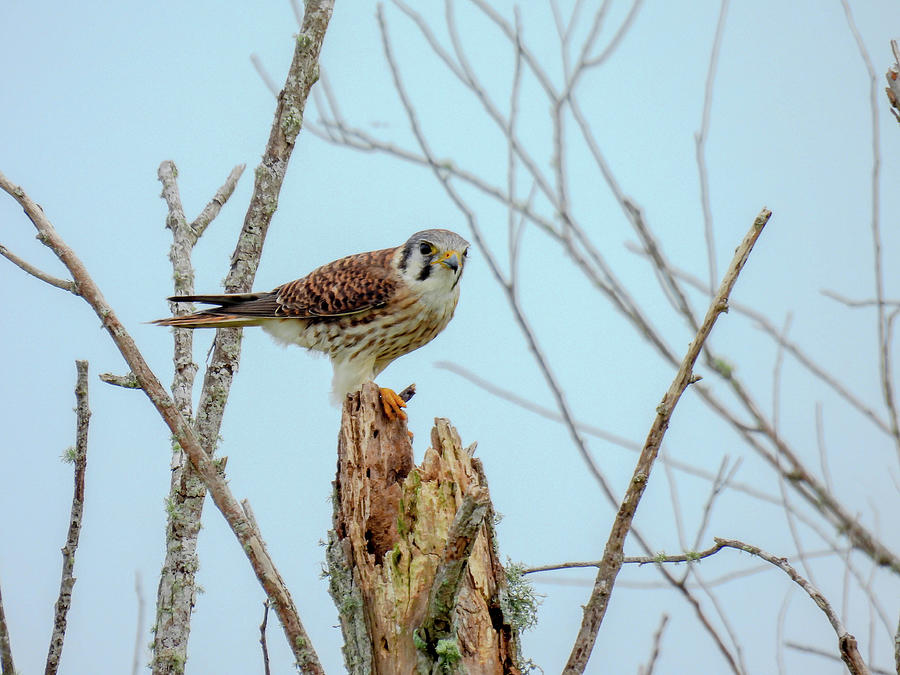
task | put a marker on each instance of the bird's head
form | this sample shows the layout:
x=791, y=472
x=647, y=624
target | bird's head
x=433, y=259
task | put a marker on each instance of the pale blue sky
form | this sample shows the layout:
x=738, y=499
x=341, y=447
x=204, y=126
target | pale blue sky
x=95, y=95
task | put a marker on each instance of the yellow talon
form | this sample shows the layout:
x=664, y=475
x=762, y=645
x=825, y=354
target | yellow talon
x=392, y=403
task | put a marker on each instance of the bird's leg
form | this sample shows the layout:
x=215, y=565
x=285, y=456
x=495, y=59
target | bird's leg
x=392, y=403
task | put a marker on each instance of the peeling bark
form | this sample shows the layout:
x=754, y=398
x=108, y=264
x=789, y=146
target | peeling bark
x=412, y=557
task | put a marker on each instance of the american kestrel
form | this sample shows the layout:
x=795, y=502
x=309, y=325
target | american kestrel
x=364, y=310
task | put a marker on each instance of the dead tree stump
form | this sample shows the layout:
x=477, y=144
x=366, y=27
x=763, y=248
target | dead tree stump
x=412, y=558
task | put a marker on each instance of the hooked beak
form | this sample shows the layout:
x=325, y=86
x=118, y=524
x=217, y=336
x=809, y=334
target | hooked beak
x=450, y=260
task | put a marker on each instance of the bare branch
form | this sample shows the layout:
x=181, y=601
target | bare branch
x=779, y=629
x=809, y=487
x=139, y=631
x=514, y=233
x=722, y=480
x=700, y=145
x=211, y=210
x=689, y=557
x=264, y=75
x=268, y=178
x=593, y=430
x=128, y=381
x=737, y=664
x=617, y=38
x=533, y=63
x=809, y=649
x=64, y=284
x=792, y=348
x=849, y=302
x=262, y=637
x=675, y=498
x=612, y=555
x=847, y=646
x=492, y=263
x=663, y=268
x=820, y=444
x=654, y=652
x=887, y=387
x=7, y=667
x=207, y=469
x=358, y=139
x=79, y=458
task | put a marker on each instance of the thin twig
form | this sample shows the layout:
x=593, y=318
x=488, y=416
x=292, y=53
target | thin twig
x=596, y=606
x=64, y=284
x=739, y=664
x=792, y=348
x=593, y=430
x=262, y=637
x=809, y=649
x=779, y=629
x=531, y=60
x=658, y=585
x=675, y=499
x=139, y=630
x=616, y=39
x=79, y=459
x=7, y=667
x=128, y=381
x=823, y=454
x=789, y=510
x=897, y=647
x=847, y=646
x=212, y=208
x=886, y=370
x=512, y=232
x=492, y=263
x=700, y=146
x=850, y=302
x=264, y=74
x=873, y=569
x=654, y=652
x=689, y=557
x=704, y=620
x=360, y=140
x=722, y=480
x=800, y=478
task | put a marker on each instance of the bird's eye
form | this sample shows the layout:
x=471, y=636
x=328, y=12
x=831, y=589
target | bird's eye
x=425, y=248
x=466, y=253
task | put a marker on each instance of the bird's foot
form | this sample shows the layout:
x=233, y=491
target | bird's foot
x=393, y=404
